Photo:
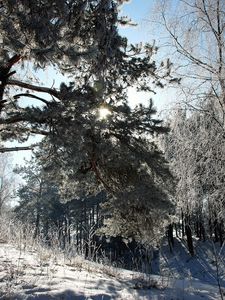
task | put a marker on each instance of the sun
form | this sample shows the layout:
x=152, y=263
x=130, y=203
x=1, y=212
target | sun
x=103, y=112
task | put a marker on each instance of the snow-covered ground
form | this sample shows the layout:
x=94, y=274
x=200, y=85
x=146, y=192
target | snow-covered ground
x=41, y=274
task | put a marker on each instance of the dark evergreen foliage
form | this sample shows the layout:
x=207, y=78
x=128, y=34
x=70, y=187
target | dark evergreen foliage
x=81, y=152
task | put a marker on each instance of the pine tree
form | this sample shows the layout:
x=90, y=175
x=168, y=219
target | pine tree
x=38, y=203
x=83, y=152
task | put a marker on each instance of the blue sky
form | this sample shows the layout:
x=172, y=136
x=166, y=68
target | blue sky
x=139, y=11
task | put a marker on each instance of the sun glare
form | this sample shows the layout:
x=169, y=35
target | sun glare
x=104, y=112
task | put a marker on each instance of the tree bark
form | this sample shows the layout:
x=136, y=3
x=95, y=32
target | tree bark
x=170, y=237
x=189, y=239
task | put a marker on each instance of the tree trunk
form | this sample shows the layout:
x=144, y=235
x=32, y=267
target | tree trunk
x=221, y=230
x=37, y=223
x=189, y=239
x=170, y=237
x=176, y=230
x=182, y=224
x=202, y=231
x=216, y=233
x=210, y=228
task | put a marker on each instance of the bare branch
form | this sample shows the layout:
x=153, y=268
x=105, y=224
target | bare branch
x=39, y=131
x=31, y=96
x=14, y=119
x=209, y=20
x=36, y=88
x=11, y=149
x=185, y=52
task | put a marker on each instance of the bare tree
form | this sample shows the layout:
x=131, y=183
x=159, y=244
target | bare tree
x=194, y=31
x=6, y=181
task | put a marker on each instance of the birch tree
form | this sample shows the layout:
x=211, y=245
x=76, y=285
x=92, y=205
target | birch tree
x=7, y=182
x=194, y=33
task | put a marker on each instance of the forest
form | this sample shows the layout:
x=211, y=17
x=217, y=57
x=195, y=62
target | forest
x=112, y=186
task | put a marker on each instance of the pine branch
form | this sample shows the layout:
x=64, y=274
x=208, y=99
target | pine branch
x=36, y=88
x=12, y=120
x=31, y=96
x=11, y=149
x=39, y=131
x=20, y=118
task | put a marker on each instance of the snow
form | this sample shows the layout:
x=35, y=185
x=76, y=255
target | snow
x=38, y=273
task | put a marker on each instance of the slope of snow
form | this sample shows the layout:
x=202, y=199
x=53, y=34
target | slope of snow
x=40, y=274
x=207, y=264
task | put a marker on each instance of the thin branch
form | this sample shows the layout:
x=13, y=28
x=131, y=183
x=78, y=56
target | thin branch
x=206, y=111
x=21, y=118
x=209, y=20
x=31, y=96
x=39, y=131
x=180, y=48
x=12, y=120
x=36, y=88
x=11, y=149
